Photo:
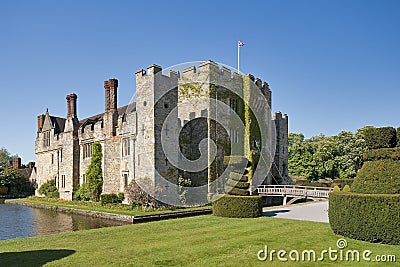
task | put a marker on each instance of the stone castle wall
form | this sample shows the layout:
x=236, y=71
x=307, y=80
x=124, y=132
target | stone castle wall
x=157, y=96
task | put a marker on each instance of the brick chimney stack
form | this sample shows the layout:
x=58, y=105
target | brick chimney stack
x=110, y=87
x=111, y=112
x=16, y=162
x=71, y=105
x=40, y=119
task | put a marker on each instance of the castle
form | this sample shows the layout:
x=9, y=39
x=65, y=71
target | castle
x=131, y=135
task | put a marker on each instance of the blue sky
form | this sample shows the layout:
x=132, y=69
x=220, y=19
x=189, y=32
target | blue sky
x=331, y=65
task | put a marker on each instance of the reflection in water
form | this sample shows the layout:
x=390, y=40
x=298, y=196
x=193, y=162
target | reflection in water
x=20, y=221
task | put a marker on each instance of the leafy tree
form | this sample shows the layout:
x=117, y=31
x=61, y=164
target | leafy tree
x=320, y=156
x=351, y=148
x=325, y=157
x=301, y=160
x=4, y=156
x=94, y=173
x=12, y=179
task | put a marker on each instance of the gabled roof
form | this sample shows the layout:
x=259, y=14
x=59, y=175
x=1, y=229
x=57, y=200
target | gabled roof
x=26, y=172
x=58, y=123
x=99, y=117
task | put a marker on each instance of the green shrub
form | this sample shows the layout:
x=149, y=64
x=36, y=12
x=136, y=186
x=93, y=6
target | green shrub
x=369, y=217
x=121, y=197
x=382, y=153
x=238, y=182
x=385, y=137
x=3, y=190
x=342, y=182
x=238, y=177
x=109, y=199
x=242, y=185
x=336, y=188
x=346, y=188
x=238, y=206
x=237, y=191
x=378, y=177
x=82, y=194
x=49, y=189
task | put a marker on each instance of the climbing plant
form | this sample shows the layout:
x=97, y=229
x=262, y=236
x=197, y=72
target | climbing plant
x=94, y=173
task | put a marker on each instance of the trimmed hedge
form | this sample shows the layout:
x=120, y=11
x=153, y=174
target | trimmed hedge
x=111, y=198
x=368, y=217
x=238, y=206
x=382, y=153
x=242, y=185
x=237, y=177
x=385, y=137
x=342, y=182
x=378, y=177
x=236, y=191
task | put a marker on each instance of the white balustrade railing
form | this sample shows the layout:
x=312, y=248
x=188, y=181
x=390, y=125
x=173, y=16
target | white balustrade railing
x=295, y=191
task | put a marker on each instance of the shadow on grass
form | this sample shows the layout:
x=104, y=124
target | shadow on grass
x=273, y=213
x=33, y=258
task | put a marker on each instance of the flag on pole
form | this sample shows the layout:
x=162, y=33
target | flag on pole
x=240, y=43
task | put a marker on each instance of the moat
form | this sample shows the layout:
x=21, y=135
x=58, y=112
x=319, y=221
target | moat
x=19, y=221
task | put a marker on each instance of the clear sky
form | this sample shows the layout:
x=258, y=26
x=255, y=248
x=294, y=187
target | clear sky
x=331, y=65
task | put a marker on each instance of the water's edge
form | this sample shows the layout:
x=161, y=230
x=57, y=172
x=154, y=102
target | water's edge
x=113, y=216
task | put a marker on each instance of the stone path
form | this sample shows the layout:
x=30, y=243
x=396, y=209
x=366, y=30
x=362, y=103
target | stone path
x=313, y=211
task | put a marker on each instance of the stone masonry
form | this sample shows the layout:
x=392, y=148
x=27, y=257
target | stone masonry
x=131, y=135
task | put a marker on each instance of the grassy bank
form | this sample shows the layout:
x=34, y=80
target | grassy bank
x=110, y=208
x=197, y=241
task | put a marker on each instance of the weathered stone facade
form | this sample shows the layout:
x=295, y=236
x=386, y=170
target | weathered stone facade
x=131, y=135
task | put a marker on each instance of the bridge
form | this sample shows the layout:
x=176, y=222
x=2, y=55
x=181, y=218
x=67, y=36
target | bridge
x=296, y=192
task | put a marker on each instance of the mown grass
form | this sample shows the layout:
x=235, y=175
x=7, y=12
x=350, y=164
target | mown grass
x=197, y=241
x=111, y=208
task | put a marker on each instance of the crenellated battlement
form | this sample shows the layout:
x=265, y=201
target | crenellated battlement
x=154, y=69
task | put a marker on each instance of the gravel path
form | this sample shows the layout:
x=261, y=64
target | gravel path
x=314, y=212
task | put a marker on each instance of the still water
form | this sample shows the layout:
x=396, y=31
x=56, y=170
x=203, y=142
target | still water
x=20, y=221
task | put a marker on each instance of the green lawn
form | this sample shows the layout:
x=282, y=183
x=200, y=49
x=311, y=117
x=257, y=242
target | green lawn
x=198, y=241
x=95, y=206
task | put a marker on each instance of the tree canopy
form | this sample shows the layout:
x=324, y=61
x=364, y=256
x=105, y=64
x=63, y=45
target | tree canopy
x=338, y=156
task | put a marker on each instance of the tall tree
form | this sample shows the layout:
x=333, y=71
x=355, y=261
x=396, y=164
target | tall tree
x=4, y=155
x=94, y=173
x=322, y=157
x=12, y=179
x=301, y=160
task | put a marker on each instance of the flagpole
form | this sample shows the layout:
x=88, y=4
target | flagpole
x=238, y=58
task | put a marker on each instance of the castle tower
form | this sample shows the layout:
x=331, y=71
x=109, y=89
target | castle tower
x=280, y=166
x=156, y=97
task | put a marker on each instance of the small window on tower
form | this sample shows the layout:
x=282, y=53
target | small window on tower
x=126, y=179
x=126, y=147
